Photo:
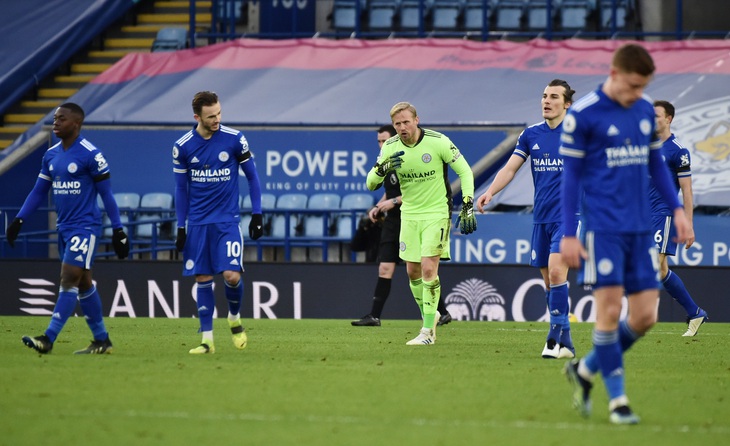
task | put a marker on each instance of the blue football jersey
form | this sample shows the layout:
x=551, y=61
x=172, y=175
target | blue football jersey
x=72, y=173
x=678, y=160
x=211, y=167
x=613, y=144
x=543, y=144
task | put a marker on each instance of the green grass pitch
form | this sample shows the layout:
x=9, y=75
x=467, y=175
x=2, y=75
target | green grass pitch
x=323, y=382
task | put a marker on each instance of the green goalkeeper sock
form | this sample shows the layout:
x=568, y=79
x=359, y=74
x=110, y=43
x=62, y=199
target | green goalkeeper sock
x=417, y=290
x=431, y=296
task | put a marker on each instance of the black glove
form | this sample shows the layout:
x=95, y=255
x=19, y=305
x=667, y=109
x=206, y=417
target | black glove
x=12, y=232
x=256, y=226
x=393, y=162
x=180, y=241
x=467, y=220
x=120, y=241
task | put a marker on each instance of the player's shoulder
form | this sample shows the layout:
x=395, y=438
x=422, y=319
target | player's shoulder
x=436, y=139
x=86, y=144
x=229, y=131
x=585, y=104
x=185, y=138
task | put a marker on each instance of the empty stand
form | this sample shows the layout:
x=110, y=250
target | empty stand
x=509, y=14
x=537, y=14
x=346, y=14
x=477, y=13
x=381, y=14
x=412, y=13
x=605, y=8
x=446, y=14
x=285, y=202
x=319, y=225
x=127, y=202
x=352, y=202
x=268, y=203
x=154, y=207
x=573, y=14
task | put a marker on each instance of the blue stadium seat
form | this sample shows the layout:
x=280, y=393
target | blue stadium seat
x=475, y=14
x=152, y=207
x=605, y=8
x=268, y=203
x=574, y=14
x=381, y=14
x=278, y=220
x=127, y=202
x=314, y=224
x=170, y=39
x=537, y=17
x=410, y=14
x=345, y=16
x=354, y=201
x=446, y=14
x=509, y=14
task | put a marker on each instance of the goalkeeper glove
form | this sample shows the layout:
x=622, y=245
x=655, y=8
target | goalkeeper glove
x=180, y=241
x=393, y=162
x=12, y=232
x=467, y=220
x=256, y=227
x=120, y=241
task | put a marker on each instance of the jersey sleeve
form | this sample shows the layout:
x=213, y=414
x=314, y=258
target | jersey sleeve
x=681, y=164
x=462, y=168
x=97, y=164
x=373, y=180
x=243, y=153
x=522, y=148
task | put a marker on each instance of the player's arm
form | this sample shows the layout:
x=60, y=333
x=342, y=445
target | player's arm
x=467, y=221
x=375, y=210
x=505, y=176
x=685, y=185
x=570, y=246
x=256, y=226
x=32, y=201
x=120, y=241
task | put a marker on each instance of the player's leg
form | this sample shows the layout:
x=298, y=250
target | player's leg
x=540, y=258
x=434, y=247
x=228, y=258
x=664, y=234
x=198, y=257
x=410, y=252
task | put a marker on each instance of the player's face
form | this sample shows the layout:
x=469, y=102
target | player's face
x=209, y=120
x=553, y=103
x=382, y=137
x=65, y=123
x=627, y=88
x=662, y=120
x=407, y=126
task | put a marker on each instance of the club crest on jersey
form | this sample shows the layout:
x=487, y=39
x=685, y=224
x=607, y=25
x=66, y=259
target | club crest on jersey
x=72, y=168
x=426, y=158
x=645, y=126
x=605, y=267
x=402, y=246
x=223, y=156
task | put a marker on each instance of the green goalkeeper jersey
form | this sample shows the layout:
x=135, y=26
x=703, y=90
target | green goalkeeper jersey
x=423, y=176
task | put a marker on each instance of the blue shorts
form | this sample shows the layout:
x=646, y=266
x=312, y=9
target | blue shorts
x=213, y=248
x=77, y=246
x=545, y=241
x=663, y=232
x=620, y=259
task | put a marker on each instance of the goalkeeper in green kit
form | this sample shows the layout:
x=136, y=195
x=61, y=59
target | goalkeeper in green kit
x=421, y=158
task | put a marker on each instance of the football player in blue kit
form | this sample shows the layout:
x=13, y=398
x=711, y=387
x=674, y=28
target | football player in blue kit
x=76, y=171
x=205, y=163
x=611, y=154
x=541, y=142
x=678, y=160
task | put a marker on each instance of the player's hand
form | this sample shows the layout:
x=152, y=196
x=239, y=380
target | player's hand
x=180, y=240
x=683, y=226
x=120, y=241
x=573, y=251
x=393, y=162
x=13, y=230
x=256, y=226
x=483, y=200
x=467, y=219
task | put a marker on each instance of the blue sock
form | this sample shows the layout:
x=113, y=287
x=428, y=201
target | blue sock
x=234, y=295
x=626, y=336
x=591, y=361
x=91, y=306
x=65, y=306
x=206, y=305
x=675, y=287
x=559, y=297
x=556, y=308
x=610, y=360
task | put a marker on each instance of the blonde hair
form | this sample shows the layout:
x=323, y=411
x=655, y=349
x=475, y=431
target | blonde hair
x=399, y=107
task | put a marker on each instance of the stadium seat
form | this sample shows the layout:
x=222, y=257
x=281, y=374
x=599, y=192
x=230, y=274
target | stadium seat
x=537, y=17
x=314, y=224
x=127, y=202
x=354, y=201
x=409, y=17
x=446, y=14
x=170, y=39
x=278, y=220
x=345, y=15
x=509, y=14
x=381, y=14
x=153, y=207
x=574, y=14
x=605, y=8
x=475, y=14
